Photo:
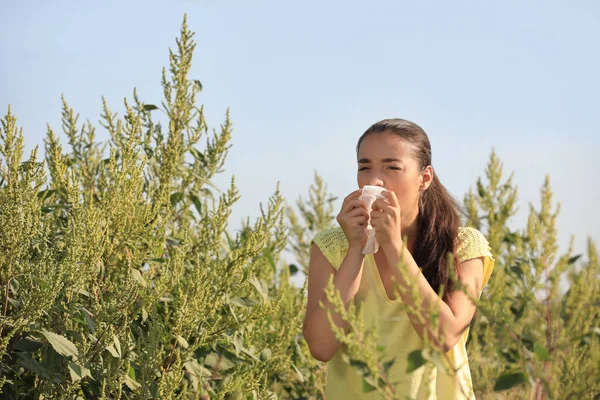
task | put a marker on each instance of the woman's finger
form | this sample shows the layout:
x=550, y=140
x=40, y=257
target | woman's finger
x=382, y=205
x=351, y=201
x=391, y=197
x=353, y=204
x=358, y=221
x=353, y=195
x=358, y=212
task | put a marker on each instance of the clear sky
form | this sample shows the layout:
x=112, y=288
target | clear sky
x=305, y=79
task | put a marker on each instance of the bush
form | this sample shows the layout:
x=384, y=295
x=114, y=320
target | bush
x=120, y=277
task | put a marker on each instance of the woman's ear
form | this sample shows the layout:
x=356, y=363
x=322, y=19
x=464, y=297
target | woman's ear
x=426, y=178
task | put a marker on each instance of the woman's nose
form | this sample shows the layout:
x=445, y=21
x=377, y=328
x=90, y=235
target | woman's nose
x=375, y=180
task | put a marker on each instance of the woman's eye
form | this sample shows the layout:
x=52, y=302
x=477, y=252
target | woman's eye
x=363, y=168
x=394, y=168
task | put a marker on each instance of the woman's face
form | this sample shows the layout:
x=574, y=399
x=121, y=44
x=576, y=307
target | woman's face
x=387, y=160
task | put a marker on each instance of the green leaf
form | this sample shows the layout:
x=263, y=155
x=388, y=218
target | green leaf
x=28, y=345
x=480, y=189
x=261, y=287
x=196, y=202
x=367, y=387
x=300, y=376
x=510, y=238
x=34, y=366
x=207, y=192
x=154, y=390
x=44, y=194
x=359, y=365
x=182, y=342
x=271, y=260
x=173, y=241
x=243, y=302
x=508, y=380
x=111, y=349
x=265, y=354
x=78, y=372
x=250, y=354
x=14, y=303
x=574, y=259
x=137, y=276
x=237, y=343
x=200, y=157
x=198, y=85
x=83, y=292
x=518, y=310
x=218, y=362
x=132, y=383
x=195, y=369
x=14, y=286
x=117, y=345
x=517, y=271
x=415, y=361
x=238, y=302
x=176, y=198
x=541, y=351
x=60, y=344
x=527, y=342
x=150, y=107
x=435, y=356
x=388, y=365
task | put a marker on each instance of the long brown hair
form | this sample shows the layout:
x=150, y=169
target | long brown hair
x=439, y=212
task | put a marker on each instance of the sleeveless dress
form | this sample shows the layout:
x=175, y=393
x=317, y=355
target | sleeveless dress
x=396, y=332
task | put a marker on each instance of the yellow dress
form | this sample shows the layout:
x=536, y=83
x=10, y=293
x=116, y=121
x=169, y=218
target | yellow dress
x=396, y=332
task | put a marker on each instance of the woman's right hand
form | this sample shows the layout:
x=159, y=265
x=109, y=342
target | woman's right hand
x=353, y=218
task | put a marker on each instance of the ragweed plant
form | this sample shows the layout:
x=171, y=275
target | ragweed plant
x=531, y=338
x=120, y=278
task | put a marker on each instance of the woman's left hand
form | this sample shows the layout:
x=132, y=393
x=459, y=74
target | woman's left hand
x=386, y=219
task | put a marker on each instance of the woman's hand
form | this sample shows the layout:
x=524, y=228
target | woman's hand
x=353, y=219
x=386, y=219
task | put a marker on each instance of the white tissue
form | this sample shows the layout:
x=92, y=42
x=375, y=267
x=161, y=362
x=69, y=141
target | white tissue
x=369, y=195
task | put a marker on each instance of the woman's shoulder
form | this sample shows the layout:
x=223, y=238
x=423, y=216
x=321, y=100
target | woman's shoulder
x=472, y=244
x=332, y=243
x=333, y=238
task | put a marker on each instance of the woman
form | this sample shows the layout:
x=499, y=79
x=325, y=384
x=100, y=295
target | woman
x=417, y=215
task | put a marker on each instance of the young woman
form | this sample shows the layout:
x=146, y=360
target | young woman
x=417, y=215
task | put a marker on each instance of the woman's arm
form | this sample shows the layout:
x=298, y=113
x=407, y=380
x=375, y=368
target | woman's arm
x=316, y=328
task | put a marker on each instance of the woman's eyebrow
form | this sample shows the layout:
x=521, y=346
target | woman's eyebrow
x=385, y=160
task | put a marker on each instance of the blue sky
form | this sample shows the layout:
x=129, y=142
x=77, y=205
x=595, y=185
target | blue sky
x=303, y=80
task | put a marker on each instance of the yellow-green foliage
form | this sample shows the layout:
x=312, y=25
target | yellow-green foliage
x=529, y=332
x=119, y=277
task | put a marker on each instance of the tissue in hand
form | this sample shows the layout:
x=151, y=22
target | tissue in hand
x=369, y=195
